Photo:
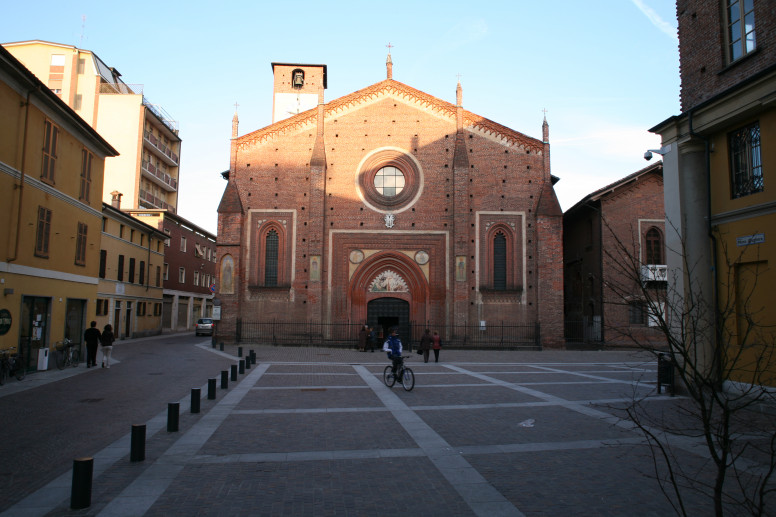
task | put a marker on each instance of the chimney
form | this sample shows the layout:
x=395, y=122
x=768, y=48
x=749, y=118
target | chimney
x=116, y=199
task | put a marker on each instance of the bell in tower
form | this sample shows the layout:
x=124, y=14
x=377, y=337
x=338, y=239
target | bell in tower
x=298, y=78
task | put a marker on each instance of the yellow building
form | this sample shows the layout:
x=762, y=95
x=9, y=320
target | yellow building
x=51, y=175
x=146, y=171
x=720, y=187
x=131, y=260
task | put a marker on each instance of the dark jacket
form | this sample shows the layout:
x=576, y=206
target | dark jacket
x=107, y=339
x=92, y=336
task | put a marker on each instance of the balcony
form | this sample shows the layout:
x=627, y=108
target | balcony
x=654, y=273
x=163, y=116
x=162, y=179
x=160, y=150
x=149, y=199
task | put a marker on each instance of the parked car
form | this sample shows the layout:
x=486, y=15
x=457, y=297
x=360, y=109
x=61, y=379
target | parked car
x=204, y=327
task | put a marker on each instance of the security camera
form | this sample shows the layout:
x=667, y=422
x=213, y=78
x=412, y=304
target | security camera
x=648, y=155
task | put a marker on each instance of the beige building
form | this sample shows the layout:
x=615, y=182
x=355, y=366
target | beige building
x=131, y=269
x=51, y=180
x=147, y=170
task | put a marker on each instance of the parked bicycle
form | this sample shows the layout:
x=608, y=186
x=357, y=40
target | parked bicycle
x=403, y=374
x=11, y=363
x=67, y=354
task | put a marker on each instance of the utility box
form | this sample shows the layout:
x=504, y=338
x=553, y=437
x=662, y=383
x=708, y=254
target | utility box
x=43, y=355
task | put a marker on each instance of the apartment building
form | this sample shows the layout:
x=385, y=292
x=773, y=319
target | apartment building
x=147, y=170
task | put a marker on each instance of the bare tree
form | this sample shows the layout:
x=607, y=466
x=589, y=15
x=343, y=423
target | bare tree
x=721, y=350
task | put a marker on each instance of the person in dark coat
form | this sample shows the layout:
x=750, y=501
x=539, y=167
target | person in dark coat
x=363, y=335
x=92, y=339
x=372, y=339
x=425, y=345
x=106, y=340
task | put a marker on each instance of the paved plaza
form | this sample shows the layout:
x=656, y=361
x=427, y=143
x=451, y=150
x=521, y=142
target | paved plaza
x=312, y=431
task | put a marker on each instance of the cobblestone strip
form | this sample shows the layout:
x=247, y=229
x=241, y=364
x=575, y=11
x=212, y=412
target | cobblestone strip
x=481, y=496
x=141, y=494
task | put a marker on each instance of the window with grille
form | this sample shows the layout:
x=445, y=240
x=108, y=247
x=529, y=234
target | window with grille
x=120, y=272
x=654, y=247
x=746, y=174
x=43, y=232
x=80, y=245
x=50, y=140
x=271, y=259
x=86, y=175
x=499, y=262
x=636, y=313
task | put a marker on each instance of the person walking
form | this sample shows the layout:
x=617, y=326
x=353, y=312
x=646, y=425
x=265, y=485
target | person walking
x=92, y=339
x=106, y=339
x=425, y=345
x=436, y=344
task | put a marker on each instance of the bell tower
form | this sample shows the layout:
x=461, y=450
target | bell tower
x=296, y=88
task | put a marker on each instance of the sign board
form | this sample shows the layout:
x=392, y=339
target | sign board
x=746, y=240
x=217, y=312
x=213, y=288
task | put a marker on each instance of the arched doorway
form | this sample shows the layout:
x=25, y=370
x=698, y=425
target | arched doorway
x=386, y=313
x=389, y=285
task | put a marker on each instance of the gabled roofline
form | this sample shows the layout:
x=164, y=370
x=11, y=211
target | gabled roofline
x=608, y=189
x=470, y=120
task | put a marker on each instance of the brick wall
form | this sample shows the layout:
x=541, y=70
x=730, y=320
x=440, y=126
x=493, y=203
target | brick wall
x=704, y=67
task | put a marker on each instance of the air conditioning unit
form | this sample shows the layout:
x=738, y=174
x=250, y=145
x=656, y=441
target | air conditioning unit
x=654, y=273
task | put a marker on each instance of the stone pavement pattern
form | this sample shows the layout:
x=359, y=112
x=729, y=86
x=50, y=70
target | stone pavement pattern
x=315, y=432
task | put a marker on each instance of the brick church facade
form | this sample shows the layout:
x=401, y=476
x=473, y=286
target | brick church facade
x=388, y=206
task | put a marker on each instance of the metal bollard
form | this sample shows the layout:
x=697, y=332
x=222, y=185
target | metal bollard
x=213, y=341
x=173, y=415
x=253, y=357
x=137, y=443
x=233, y=370
x=239, y=351
x=81, y=489
x=224, y=379
x=221, y=346
x=248, y=363
x=242, y=366
x=211, y=389
x=196, y=396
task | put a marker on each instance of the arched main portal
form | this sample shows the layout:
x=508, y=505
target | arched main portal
x=389, y=287
x=386, y=313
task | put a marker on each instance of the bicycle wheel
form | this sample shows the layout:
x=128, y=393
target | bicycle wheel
x=75, y=357
x=60, y=359
x=408, y=379
x=388, y=377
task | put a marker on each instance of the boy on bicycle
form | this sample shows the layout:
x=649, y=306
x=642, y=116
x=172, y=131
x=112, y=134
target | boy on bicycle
x=392, y=345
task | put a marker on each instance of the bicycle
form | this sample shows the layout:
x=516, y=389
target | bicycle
x=67, y=354
x=11, y=364
x=404, y=375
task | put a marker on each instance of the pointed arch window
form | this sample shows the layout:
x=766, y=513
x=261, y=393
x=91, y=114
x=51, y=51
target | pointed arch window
x=654, y=246
x=271, y=259
x=499, y=262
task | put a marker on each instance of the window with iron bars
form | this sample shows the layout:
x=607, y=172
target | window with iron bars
x=746, y=174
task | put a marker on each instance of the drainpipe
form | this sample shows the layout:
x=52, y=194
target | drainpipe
x=21, y=179
x=713, y=239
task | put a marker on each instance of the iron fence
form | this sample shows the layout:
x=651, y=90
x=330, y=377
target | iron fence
x=492, y=336
x=586, y=331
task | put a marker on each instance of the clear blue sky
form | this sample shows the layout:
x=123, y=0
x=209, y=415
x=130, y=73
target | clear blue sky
x=605, y=70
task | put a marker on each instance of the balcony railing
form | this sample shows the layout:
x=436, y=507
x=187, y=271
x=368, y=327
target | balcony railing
x=165, y=117
x=163, y=149
x=166, y=179
x=654, y=273
x=149, y=198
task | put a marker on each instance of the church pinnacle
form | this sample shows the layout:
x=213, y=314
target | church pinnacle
x=389, y=62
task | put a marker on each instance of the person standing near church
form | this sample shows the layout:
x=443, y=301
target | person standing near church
x=363, y=335
x=107, y=340
x=425, y=345
x=436, y=344
x=92, y=339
